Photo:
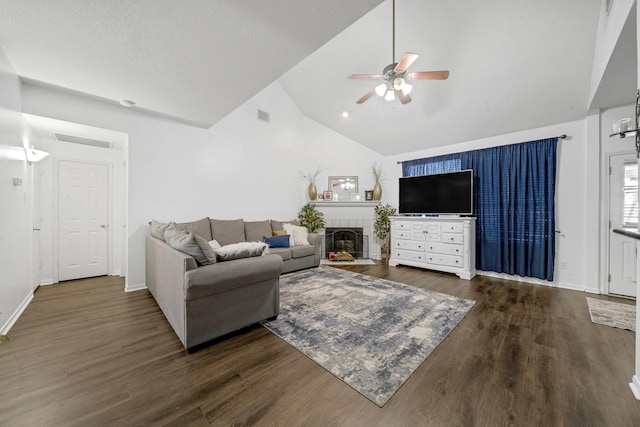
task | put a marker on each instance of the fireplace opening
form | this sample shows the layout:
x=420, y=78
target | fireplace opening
x=348, y=239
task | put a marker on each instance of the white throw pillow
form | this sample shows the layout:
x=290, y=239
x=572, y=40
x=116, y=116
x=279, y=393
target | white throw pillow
x=214, y=244
x=299, y=235
x=241, y=250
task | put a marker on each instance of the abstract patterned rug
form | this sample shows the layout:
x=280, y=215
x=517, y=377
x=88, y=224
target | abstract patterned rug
x=371, y=333
x=615, y=314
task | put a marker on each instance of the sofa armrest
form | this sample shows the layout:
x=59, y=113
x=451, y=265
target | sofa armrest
x=165, y=268
x=316, y=240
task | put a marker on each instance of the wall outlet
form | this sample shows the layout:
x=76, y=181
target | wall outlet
x=563, y=264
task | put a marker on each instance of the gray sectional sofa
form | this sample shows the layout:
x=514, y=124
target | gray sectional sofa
x=204, y=302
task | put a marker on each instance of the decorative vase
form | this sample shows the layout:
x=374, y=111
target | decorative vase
x=377, y=191
x=312, y=191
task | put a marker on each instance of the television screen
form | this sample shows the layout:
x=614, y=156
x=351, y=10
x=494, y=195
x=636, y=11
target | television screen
x=439, y=194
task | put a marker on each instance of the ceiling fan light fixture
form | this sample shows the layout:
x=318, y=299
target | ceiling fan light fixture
x=390, y=96
x=381, y=89
x=406, y=89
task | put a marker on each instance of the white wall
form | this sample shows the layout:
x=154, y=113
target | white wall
x=240, y=168
x=571, y=194
x=609, y=29
x=15, y=201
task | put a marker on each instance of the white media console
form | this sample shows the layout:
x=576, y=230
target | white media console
x=438, y=243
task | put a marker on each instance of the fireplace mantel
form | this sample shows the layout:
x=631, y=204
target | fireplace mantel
x=344, y=204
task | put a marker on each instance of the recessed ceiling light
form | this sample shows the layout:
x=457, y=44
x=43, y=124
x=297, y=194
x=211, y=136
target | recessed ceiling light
x=127, y=103
x=345, y=114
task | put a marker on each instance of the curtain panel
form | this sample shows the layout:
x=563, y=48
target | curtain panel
x=514, y=203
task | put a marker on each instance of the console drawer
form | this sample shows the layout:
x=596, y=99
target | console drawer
x=449, y=260
x=402, y=225
x=453, y=238
x=452, y=227
x=410, y=244
x=401, y=234
x=444, y=248
x=408, y=255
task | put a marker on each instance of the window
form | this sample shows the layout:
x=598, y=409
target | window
x=630, y=200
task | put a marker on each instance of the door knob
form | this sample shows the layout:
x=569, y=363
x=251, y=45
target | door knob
x=103, y=225
x=36, y=228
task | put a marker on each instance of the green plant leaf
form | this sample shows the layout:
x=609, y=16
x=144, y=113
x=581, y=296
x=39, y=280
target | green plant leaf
x=4, y=338
x=382, y=223
x=311, y=218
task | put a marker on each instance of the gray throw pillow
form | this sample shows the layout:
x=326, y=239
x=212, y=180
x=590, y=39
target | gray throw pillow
x=207, y=249
x=200, y=227
x=185, y=242
x=241, y=250
x=158, y=229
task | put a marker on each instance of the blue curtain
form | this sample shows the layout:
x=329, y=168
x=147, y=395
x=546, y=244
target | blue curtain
x=514, y=204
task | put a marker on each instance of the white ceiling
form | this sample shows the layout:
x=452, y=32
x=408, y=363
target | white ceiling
x=515, y=65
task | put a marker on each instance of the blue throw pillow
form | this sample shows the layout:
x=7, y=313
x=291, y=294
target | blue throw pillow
x=277, y=241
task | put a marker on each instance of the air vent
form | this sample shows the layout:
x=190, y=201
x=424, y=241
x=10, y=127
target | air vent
x=263, y=115
x=83, y=141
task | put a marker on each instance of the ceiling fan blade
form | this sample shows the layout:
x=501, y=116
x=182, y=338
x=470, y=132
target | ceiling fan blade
x=365, y=76
x=404, y=99
x=366, y=96
x=404, y=63
x=428, y=75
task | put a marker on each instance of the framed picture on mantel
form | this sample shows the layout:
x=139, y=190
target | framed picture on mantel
x=343, y=186
x=328, y=196
x=368, y=195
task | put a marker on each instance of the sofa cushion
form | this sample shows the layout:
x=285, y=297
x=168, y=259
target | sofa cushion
x=302, y=251
x=158, y=229
x=280, y=233
x=277, y=241
x=227, y=231
x=185, y=241
x=278, y=225
x=285, y=253
x=200, y=227
x=255, y=230
x=241, y=250
x=299, y=235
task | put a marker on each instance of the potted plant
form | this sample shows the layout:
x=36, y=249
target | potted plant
x=382, y=227
x=311, y=218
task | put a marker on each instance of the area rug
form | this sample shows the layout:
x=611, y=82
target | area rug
x=615, y=314
x=370, y=333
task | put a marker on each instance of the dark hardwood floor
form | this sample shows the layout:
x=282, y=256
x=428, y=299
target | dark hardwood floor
x=85, y=353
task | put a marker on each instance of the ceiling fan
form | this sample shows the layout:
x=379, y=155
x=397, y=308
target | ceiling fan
x=395, y=75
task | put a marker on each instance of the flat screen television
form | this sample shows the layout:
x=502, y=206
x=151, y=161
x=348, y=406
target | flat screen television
x=439, y=194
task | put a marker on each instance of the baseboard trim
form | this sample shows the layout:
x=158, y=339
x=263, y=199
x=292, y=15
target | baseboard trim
x=4, y=330
x=47, y=282
x=535, y=281
x=133, y=288
x=635, y=386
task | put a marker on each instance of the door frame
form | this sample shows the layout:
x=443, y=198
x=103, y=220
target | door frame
x=606, y=217
x=56, y=206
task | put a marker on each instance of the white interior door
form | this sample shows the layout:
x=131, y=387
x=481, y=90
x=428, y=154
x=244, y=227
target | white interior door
x=82, y=220
x=36, y=220
x=623, y=213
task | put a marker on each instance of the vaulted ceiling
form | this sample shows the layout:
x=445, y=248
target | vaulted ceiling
x=514, y=65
